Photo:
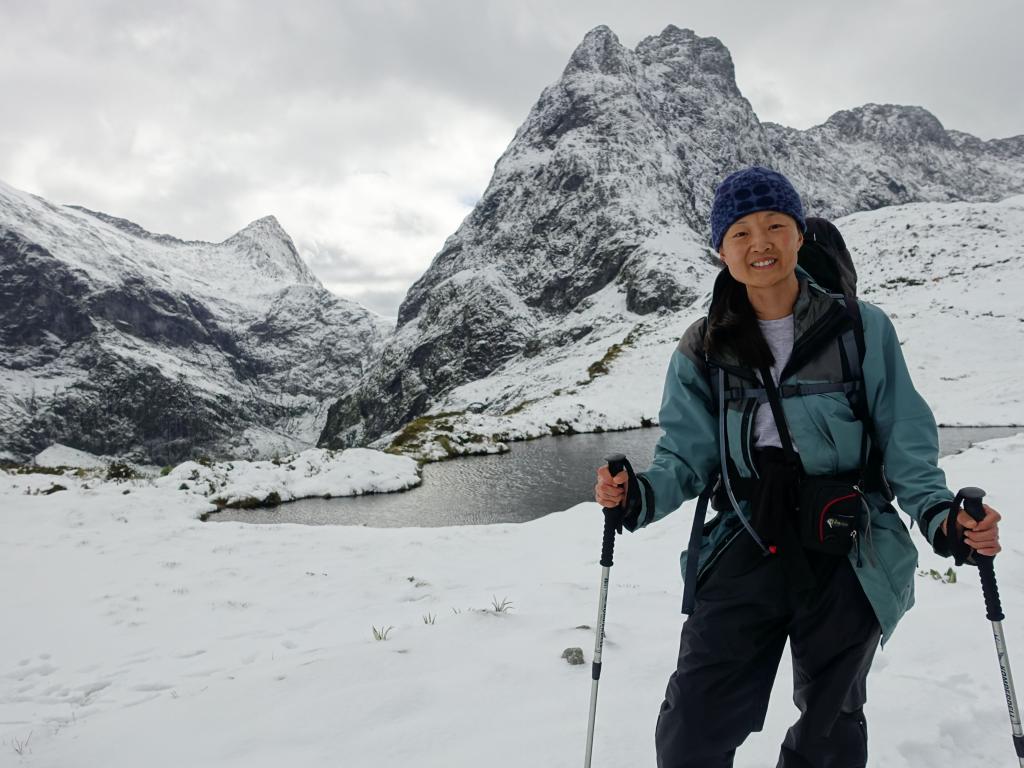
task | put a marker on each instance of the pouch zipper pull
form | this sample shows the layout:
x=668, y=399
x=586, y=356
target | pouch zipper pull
x=856, y=543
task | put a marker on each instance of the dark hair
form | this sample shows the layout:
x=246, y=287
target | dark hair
x=732, y=325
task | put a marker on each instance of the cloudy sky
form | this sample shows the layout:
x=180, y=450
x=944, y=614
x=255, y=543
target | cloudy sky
x=370, y=128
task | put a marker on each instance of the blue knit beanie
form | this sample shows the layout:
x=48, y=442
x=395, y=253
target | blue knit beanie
x=748, y=191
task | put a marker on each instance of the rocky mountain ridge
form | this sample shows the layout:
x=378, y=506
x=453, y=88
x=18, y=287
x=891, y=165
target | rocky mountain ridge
x=119, y=341
x=595, y=216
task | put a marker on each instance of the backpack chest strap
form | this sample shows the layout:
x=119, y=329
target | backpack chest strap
x=792, y=390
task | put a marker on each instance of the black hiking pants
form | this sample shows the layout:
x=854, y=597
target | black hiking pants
x=730, y=650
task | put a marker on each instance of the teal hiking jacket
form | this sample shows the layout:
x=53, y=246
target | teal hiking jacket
x=826, y=433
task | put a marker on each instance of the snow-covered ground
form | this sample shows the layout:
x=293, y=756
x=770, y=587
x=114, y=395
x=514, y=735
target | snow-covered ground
x=136, y=635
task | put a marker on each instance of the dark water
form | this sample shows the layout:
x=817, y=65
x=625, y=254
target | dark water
x=535, y=478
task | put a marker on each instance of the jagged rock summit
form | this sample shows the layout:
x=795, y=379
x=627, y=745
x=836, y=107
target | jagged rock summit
x=271, y=252
x=595, y=216
x=118, y=341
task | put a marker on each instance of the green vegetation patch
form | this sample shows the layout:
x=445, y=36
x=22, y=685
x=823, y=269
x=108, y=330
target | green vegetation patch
x=562, y=427
x=31, y=469
x=520, y=407
x=602, y=366
x=411, y=436
x=119, y=471
x=272, y=499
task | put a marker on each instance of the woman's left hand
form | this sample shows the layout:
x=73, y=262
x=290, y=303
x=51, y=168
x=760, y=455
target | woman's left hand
x=981, y=535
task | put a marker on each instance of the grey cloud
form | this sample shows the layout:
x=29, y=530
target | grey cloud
x=339, y=268
x=384, y=302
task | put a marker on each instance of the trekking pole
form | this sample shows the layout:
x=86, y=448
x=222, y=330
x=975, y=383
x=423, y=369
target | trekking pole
x=612, y=523
x=972, y=503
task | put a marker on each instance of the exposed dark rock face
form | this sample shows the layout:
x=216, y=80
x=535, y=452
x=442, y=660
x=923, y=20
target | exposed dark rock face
x=117, y=341
x=124, y=409
x=606, y=186
x=40, y=310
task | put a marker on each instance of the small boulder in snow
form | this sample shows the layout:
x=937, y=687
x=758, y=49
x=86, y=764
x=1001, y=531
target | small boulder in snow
x=573, y=655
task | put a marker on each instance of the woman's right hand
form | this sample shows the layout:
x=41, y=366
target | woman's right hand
x=610, y=491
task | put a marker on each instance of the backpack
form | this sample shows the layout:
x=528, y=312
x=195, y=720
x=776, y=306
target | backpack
x=825, y=257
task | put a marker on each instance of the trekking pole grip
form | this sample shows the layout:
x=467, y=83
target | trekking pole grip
x=993, y=607
x=612, y=515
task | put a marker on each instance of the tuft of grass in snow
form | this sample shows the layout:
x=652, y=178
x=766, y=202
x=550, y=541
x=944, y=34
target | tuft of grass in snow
x=20, y=746
x=949, y=577
x=382, y=633
x=446, y=444
x=429, y=618
x=503, y=607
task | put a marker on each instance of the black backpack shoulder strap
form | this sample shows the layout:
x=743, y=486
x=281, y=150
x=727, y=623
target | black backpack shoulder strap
x=874, y=474
x=854, y=358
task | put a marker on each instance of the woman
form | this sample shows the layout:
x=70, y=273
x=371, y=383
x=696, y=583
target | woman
x=774, y=358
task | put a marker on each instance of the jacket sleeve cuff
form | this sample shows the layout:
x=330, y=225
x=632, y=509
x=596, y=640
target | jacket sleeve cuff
x=931, y=523
x=639, y=503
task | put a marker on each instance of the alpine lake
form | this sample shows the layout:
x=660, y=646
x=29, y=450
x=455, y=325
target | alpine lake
x=535, y=478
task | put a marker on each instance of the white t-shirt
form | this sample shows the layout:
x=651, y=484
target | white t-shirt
x=779, y=335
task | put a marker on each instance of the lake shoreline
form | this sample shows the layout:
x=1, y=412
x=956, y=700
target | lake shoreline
x=535, y=477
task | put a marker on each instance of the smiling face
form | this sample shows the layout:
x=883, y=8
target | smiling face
x=760, y=249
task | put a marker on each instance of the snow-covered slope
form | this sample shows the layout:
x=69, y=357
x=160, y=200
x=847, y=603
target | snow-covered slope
x=119, y=341
x=595, y=216
x=951, y=276
x=137, y=636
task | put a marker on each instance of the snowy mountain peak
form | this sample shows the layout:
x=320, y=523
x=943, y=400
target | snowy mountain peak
x=687, y=54
x=891, y=123
x=271, y=251
x=679, y=52
x=600, y=52
x=267, y=226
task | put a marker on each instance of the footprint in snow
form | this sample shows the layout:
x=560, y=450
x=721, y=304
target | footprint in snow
x=42, y=670
x=150, y=687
